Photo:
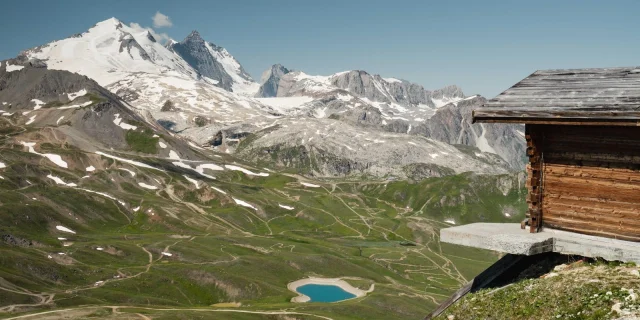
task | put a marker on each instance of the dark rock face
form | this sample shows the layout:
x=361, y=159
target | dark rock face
x=17, y=241
x=270, y=81
x=452, y=124
x=375, y=88
x=193, y=49
x=217, y=139
x=127, y=42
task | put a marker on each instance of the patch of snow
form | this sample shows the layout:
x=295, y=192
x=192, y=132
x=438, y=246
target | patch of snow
x=249, y=172
x=2, y=165
x=439, y=103
x=59, y=119
x=62, y=239
x=244, y=204
x=118, y=121
x=147, y=186
x=11, y=68
x=507, y=214
x=162, y=145
x=391, y=80
x=133, y=174
x=173, y=155
x=39, y=104
x=74, y=95
x=194, y=181
x=135, y=163
x=167, y=254
x=136, y=209
x=103, y=194
x=450, y=221
x=53, y=157
x=60, y=181
x=99, y=248
x=31, y=120
x=482, y=143
x=344, y=97
x=310, y=185
x=219, y=190
x=65, y=229
x=285, y=104
x=285, y=207
x=74, y=106
x=193, y=145
x=90, y=168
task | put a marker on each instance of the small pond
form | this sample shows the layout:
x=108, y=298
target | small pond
x=324, y=293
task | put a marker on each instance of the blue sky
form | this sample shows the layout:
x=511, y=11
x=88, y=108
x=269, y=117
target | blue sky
x=482, y=46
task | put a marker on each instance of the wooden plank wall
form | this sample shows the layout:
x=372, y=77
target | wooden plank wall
x=534, y=178
x=591, y=179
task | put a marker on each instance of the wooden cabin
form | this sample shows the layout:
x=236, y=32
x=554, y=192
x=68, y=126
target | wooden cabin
x=582, y=129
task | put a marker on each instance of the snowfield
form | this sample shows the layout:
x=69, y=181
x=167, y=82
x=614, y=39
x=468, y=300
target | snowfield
x=310, y=185
x=147, y=186
x=245, y=171
x=135, y=163
x=244, y=204
x=11, y=68
x=52, y=157
x=65, y=229
x=194, y=181
x=74, y=95
x=58, y=180
x=118, y=121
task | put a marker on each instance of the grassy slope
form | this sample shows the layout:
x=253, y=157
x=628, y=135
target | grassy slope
x=226, y=253
x=586, y=291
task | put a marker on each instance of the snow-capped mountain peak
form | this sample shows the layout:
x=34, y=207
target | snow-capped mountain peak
x=109, y=51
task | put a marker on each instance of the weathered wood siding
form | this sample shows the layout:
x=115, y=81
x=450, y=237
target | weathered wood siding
x=590, y=179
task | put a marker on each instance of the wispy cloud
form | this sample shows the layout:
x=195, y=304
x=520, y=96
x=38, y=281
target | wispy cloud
x=161, y=21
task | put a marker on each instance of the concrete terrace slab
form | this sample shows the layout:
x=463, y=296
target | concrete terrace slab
x=509, y=238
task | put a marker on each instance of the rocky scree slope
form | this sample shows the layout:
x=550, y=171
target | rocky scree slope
x=388, y=104
x=77, y=110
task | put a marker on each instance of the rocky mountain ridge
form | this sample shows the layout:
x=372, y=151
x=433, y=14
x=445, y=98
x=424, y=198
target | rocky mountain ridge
x=211, y=100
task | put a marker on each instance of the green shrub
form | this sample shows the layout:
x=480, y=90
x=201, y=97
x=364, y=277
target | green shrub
x=142, y=141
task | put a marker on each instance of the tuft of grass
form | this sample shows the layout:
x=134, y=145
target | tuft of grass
x=142, y=141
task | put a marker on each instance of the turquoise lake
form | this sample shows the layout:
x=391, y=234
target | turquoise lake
x=324, y=293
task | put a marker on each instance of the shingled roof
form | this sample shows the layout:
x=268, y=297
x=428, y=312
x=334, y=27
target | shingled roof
x=607, y=96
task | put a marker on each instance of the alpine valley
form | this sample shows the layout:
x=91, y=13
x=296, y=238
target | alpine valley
x=149, y=180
